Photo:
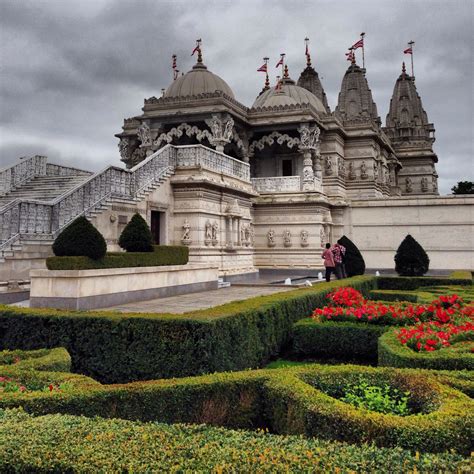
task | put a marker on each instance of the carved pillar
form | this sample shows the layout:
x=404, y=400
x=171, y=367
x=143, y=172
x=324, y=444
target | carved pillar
x=308, y=175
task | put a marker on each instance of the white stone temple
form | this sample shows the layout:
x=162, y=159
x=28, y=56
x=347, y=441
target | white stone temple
x=254, y=187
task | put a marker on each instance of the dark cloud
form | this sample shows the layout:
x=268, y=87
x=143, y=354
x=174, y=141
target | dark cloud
x=71, y=71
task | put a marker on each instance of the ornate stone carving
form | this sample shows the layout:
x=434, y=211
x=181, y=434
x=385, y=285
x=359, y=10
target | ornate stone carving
x=215, y=233
x=179, y=131
x=271, y=238
x=408, y=185
x=124, y=149
x=322, y=236
x=186, y=237
x=277, y=184
x=144, y=134
x=328, y=165
x=287, y=238
x=352, y=174
x=309, y=136
x=304, y=238
x=363, y=171
x=434, y=181
x=208, y=233
x=376, y=172
x=270, y=139
x=222, y=131
x=424, y=184
x=341, y=167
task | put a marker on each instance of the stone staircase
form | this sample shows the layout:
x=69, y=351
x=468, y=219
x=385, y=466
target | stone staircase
x=43, y=188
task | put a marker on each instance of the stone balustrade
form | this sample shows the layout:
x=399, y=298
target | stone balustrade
x=22, y=172
x=59, y=170
x=277, y=184
x=44, y=220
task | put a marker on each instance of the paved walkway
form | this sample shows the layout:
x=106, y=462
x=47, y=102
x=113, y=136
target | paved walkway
x=195, y=301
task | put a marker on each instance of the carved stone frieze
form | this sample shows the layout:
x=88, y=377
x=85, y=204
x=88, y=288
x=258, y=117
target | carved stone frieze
x=304, y=238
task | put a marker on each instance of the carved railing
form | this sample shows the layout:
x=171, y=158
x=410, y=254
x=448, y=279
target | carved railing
x=58, y=170
x=44, y=220
x=199, y=155
x=277, y=184
x=22, y=172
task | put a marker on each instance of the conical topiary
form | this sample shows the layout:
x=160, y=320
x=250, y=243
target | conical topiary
x=80, y=238
x=136, y=237
x=354, y=262
x=411, y=259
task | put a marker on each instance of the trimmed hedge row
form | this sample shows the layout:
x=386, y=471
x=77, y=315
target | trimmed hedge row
x=300, y=400
x=56, y=360
x=77, y=444
x=113, y=347
x=341, y=340
x=394, y=295
x=413, y=283
x=394, y=354
x=162, y=255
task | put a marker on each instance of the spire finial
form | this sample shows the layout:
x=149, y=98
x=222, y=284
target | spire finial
x=174, y=67
x=198, y=50
x=267, y=79
x=308, y=56
x=403, y=68
x=285, y=73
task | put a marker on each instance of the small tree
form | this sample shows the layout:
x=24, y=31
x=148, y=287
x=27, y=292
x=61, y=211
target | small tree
x=136, y=237
x=411, y=259
x=354, y=262
x=80, y=238
x=463, y=187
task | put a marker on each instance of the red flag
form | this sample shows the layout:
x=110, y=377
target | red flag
x=197, y=48
x=359, y=44
x=350, y=55
x=279, y=63
x=262, y=68
x=408, y=51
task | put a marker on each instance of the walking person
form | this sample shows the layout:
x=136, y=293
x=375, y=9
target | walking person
x=339, y=252
x=329, y=263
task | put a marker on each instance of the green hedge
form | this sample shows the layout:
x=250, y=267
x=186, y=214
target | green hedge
x=123, y=347
x=413, y=283
x=394, y=295
x=341, y=340
x=162, y=255
x=57, y=360
x=394, y=354
x=300, y=400
x=58, y=443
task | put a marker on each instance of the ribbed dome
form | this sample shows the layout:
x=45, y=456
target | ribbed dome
x=198, y=81
x=289, y=94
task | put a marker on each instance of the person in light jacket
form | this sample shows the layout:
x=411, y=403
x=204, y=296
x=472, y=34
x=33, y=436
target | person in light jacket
x=328, y=262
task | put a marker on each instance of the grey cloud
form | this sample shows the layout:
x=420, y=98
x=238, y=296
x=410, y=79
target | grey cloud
x=71, y=71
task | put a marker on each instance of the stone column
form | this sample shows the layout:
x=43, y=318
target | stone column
x=308, y=174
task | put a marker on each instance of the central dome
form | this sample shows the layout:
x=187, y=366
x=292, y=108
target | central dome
x=289, y=94
x=198, y=81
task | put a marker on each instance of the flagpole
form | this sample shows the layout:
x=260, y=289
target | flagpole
x=411, y=43
x=282, y=64
x=363, y=55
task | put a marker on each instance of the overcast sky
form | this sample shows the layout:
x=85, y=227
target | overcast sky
x=72, y=70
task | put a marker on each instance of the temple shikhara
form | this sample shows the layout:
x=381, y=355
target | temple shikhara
x=254, y=186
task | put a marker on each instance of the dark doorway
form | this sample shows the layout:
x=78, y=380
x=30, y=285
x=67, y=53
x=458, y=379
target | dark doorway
x=287, y=167
x=155, y=226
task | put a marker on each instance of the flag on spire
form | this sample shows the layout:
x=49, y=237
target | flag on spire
x=350, y=56
x=408, y=50
x=280, y=62
x=197, y=48
x=358, y=44
x=262, y=68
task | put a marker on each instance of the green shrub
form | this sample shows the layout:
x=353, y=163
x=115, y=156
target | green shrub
x=394, y=354
x=341, y=340
x=59, y=443
x=301, y=400
x=122, y=347
x=136, y=236
x=411, y=259
x=161, y=255
x=80, y=238
x=413, y=283
x=379, y=398
x=353, y=261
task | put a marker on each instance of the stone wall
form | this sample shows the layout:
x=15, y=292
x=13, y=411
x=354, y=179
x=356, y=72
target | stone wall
x=444, y=226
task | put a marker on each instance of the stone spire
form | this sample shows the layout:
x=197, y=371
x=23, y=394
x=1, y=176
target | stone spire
x=309, y=80
x=355, y=103
x=406, y=119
